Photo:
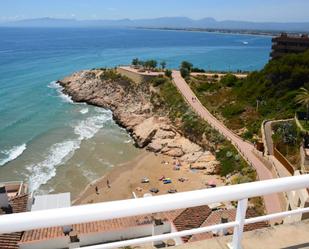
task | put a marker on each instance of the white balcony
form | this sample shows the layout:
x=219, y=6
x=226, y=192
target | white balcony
x=118, y=209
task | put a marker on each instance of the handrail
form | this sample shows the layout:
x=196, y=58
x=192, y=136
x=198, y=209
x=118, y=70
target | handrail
x=124, y=208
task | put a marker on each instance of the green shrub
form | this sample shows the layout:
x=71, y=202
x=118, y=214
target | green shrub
x=229, y=80
x=184, y=72
x=158, y=81
x=168, y=73
x=233, y=110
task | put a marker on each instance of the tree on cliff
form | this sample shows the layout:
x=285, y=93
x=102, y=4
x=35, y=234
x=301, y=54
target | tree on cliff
x=185, y=68
x=187, y=65
x=151, y=64
x=163, y=64
x=135, y=62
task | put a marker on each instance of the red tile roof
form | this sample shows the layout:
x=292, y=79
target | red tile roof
x=10, y=240
x=191, y=218
x=97, y=226
x=215, y=218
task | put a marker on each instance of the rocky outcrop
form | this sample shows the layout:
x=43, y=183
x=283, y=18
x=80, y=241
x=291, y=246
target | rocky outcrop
x=132, y=109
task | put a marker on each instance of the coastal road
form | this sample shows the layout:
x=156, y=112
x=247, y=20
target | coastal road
x=246, y=149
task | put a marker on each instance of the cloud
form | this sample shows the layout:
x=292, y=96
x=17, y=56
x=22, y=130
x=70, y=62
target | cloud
x=111, y=9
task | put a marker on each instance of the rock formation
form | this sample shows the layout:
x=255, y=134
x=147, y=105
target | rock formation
x=132, y=109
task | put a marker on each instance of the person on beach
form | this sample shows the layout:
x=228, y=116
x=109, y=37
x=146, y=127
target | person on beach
x=97, y=190
x=108, y=184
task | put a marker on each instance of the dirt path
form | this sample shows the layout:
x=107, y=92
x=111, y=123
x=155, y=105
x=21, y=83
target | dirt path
x=272, y=202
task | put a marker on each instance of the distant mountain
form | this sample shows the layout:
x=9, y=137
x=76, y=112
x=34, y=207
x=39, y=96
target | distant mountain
x=163, y=22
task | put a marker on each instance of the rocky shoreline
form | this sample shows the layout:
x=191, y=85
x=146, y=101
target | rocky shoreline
x=132, y=109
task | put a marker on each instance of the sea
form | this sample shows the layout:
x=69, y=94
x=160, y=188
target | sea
x=56, y=145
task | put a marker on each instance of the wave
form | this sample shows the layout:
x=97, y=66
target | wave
x=42, y=172
x=12, y=154
x=84, y=111
x=59, y=88
x=87, y=128
x=60, y=153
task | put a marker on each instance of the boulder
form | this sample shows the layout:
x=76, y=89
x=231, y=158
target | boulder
x=145, y=131
x=186, y=145
x=213, y=168
x=155, y=146
x=207, y=157
x=192, y=157
x=174, y=152
x=198, y=166
x=165, y=134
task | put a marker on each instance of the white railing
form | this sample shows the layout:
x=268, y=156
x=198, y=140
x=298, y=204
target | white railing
x=125, y=208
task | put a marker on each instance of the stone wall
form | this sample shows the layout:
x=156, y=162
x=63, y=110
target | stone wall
x=135, y=76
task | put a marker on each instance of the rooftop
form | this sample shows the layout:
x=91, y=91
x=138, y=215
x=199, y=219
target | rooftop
x=97, y=226
x=19, y=205
x=230, y=214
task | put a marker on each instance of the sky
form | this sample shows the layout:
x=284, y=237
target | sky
x=247, y=10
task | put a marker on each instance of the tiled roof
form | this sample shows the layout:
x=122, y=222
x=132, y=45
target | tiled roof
x=10, y=240
x=215, y=218
x=191, y=218
x=97, y=226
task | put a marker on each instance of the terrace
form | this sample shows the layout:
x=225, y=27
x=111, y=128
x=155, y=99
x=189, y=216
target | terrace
x=235, y=224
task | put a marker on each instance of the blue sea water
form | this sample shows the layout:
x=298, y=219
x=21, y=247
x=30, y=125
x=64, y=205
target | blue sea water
x=41, y=129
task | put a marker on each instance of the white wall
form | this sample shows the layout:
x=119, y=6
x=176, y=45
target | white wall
x=58, y=243
x=98, y=238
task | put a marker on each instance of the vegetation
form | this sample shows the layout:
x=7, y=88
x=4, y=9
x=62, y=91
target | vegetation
x=303, y=99
x=168, y=73
x=268, y=94
x=287, y=139
x=198, y=130
x=185, y=69
x=149, y=64
x=163, y=65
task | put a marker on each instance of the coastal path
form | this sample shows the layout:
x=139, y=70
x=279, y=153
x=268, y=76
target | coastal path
x=246, y=149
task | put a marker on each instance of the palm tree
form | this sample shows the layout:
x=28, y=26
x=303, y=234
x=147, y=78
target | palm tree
x=303, y=99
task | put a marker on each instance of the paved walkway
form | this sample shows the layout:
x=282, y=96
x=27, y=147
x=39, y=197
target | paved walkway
x=268, y=138
x=272, y=202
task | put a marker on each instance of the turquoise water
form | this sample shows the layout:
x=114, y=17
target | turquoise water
x=42, y=131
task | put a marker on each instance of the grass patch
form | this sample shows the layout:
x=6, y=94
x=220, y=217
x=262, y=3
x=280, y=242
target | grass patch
x=200, y=132
x=266, y=94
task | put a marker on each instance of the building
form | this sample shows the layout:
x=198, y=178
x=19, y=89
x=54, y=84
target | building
x=297, y=199
x=184, y=218
x=13, y=199
x=285, y=44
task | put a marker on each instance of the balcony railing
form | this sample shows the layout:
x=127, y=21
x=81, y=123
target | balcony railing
x=125, y=208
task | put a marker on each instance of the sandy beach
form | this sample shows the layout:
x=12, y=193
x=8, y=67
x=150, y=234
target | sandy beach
x=122, y=181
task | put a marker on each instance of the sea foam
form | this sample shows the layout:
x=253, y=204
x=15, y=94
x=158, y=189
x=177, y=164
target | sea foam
x=84, y=111
x=43, y=171
x=12, y=153
x=59, y=88
x=40, y=173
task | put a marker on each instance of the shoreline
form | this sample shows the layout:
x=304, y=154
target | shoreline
x=151, y=130
x=221, y=31
x=126, y=179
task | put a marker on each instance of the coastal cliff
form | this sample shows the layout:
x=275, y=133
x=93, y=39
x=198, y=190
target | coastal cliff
x=133, y=109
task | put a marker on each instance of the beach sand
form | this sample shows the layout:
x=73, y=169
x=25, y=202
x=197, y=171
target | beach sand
x=126, y=179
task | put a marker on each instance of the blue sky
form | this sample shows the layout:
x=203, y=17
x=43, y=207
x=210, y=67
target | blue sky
x=251, y=10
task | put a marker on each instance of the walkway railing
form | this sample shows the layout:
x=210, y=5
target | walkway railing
x=125, y=208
